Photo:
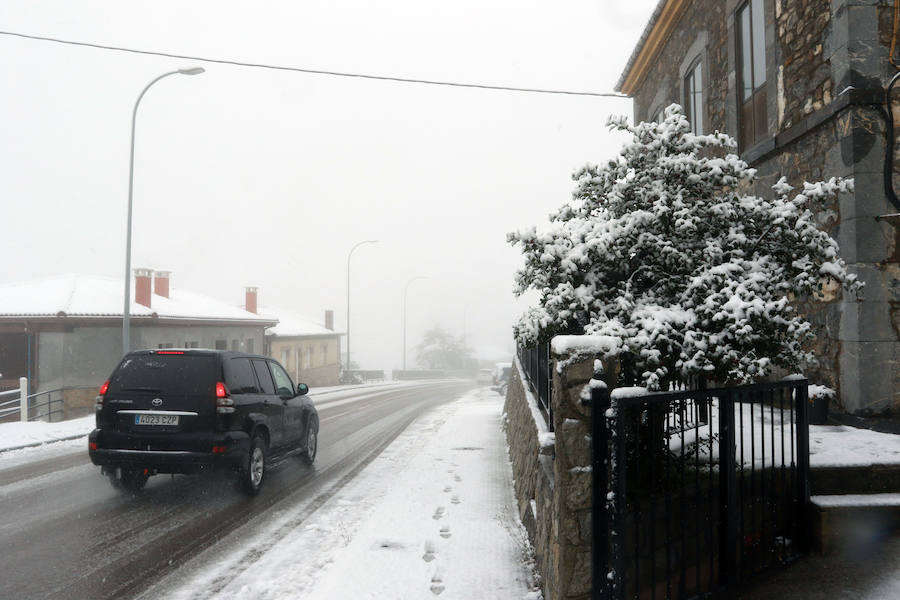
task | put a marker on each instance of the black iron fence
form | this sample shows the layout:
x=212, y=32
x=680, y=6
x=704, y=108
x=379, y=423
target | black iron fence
x=536, y=364
x=697, y=491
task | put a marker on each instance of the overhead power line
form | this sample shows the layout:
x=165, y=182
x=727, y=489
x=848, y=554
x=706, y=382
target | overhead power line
x=237, y=63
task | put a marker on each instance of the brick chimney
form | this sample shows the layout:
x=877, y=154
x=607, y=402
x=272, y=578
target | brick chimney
x=161, y=283
x=250, y=299
x=329, y=320
x=142, y=286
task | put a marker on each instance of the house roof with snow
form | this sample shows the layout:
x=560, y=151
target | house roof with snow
x=87, y=296
x=294, y=324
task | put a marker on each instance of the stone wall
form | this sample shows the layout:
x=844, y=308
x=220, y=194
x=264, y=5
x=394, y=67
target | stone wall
x=553, y=480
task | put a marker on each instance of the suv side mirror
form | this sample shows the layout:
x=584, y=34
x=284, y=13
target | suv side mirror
x=302, y=389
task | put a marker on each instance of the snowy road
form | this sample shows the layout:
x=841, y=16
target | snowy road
x=67, y=534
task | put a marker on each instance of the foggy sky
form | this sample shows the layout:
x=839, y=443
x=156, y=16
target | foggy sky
x=255, y=177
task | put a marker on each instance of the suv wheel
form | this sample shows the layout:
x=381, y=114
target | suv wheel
x=130, y=480
x=254, y=473
x=311, y=443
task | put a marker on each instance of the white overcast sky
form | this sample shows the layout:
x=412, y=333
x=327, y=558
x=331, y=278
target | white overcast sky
x=257, y=177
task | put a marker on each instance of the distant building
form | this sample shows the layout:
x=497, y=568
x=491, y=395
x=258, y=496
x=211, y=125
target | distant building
x=308, y=350
x=801, y=86
x=66, y=332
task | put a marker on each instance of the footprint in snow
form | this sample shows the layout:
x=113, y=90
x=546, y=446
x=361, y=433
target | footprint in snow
x=457, y=478
x=437, y=583
x=445, y=531
x=455, y=499
x=438, y=513
x=448, y=489
x=429, y=551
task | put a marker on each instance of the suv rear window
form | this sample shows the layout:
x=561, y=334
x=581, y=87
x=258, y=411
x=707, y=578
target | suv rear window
x=239, y=377
x=165, y=374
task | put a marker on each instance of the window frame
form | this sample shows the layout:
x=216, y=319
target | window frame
x=691, y=93
x=752, y=111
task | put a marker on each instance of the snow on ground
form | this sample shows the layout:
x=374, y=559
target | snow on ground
x=433, y=514
x=841, y=446
x=18, y=434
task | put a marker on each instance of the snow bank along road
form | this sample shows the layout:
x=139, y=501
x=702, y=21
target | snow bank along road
x=67, y=534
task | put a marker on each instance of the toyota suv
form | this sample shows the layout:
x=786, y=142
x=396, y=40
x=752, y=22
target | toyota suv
x=185, y=411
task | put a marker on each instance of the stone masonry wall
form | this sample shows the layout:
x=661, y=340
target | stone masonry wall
x=533, y=477
x=553, y=482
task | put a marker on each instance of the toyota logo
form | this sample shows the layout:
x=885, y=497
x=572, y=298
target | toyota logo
x=157, y=402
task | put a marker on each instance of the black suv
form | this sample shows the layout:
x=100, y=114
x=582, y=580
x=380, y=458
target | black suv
x=183, y=411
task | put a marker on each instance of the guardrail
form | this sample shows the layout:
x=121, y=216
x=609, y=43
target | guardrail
x=365, y=375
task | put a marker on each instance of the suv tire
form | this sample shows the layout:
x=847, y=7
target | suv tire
x=253, y=475
x=310, y=442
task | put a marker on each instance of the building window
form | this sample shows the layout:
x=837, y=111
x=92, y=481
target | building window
x=751, y=51
x=166, y=345
x=693, y=97
x=192, y=344
x=250, y=346
x=307, y=358
x=285, y=356
x=221, y=345
x=235, y=345
x=324, y=355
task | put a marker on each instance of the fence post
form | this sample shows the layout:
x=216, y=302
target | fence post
x=727, y=491
x=599, y=487
x=802, y=406
x=23, y=399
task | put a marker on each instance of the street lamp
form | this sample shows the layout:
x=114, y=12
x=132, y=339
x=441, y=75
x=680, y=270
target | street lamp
x=126, y=313
x=405, y=290
x=348, y=293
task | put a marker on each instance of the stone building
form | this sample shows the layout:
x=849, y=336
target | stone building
x=801, y=85
x=308, y=350
x=65, y=333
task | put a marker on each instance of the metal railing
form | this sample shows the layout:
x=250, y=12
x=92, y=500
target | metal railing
x=536, y=364
x=685, y=508
x=13, y=403
x=41, y=406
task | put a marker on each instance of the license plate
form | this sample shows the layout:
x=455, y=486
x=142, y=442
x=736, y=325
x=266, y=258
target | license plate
x=156, y=419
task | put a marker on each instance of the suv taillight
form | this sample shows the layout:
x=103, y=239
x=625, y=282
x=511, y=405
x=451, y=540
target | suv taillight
x=98, y=401
x=224, y=404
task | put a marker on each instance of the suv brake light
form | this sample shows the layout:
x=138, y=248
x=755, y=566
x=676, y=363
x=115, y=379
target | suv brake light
x=98, y=401
x=224, y=404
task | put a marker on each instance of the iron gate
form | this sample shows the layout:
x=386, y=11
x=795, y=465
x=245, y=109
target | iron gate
x=699, y=490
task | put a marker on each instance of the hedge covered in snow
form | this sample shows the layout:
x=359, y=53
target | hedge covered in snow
x=662, y=251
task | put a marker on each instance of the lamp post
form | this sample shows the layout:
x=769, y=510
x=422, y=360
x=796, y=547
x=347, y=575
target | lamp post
x=405, y=290
x=126, y=313
x=350, y=254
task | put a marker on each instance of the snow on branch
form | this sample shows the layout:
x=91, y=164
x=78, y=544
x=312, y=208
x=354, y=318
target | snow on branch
x=662, y=255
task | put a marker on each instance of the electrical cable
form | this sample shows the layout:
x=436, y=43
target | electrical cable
x=315, y=71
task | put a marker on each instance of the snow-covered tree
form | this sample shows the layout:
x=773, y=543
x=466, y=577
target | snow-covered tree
x=441, y=350
x=661, y=250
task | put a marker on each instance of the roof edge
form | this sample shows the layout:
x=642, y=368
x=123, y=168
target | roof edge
x=655, y=35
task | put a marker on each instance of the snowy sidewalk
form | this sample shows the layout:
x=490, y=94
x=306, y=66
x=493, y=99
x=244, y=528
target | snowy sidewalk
x=433, y=515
